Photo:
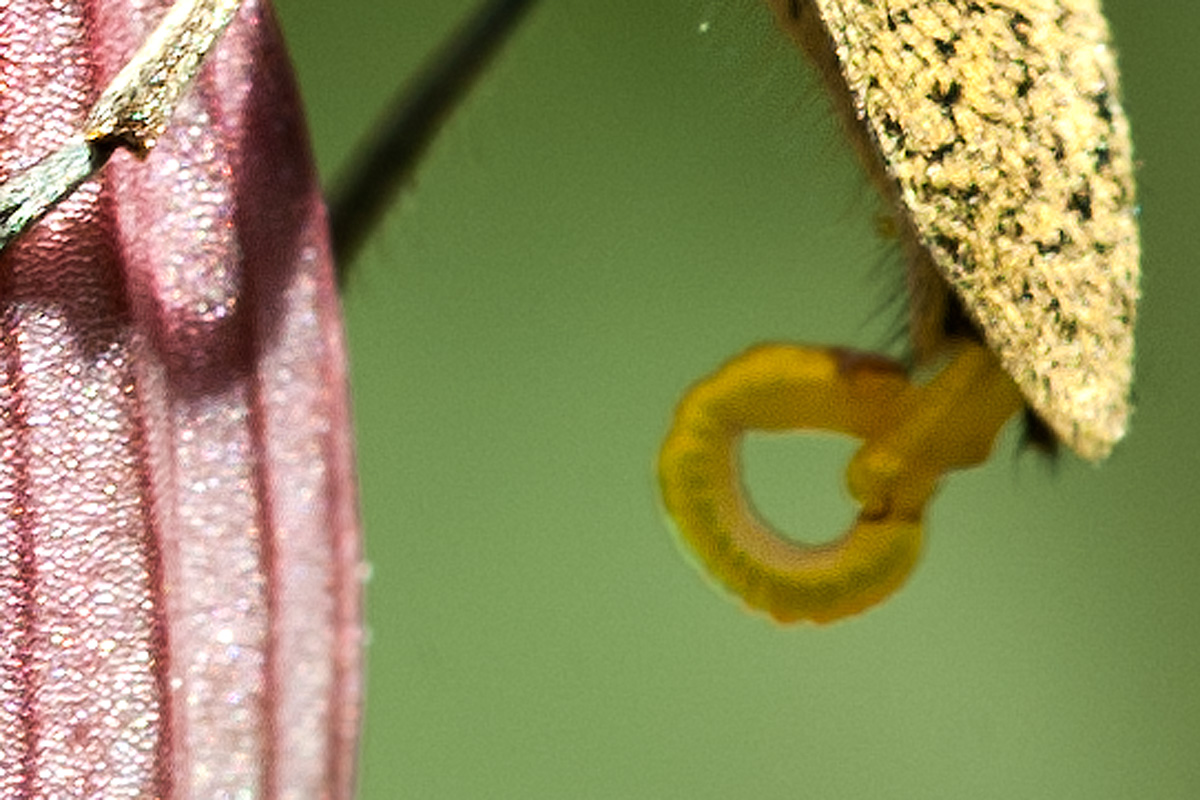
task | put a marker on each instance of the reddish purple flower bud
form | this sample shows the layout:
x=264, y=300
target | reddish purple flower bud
x=179, y=580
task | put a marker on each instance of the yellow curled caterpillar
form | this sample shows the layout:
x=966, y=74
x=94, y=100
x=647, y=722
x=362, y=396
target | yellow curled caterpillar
x=995, y=133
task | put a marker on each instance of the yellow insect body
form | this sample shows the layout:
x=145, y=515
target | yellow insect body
x=996, y=132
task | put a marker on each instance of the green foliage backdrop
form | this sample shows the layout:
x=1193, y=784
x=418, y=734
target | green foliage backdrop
x=636, y=192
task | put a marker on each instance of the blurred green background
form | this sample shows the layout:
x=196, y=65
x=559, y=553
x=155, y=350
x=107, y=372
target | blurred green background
x=638, y=191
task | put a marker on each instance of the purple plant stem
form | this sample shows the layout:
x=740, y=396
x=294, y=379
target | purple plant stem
x=180, y=581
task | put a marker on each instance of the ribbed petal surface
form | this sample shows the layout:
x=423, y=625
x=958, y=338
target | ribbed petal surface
x=179, y=579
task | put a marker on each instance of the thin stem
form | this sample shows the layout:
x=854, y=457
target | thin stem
x=29, y=194
x=387, y=160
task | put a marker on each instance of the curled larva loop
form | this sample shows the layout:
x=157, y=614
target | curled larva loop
x=911, y=434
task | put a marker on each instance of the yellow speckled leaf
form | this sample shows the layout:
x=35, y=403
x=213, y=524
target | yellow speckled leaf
x=997, y=130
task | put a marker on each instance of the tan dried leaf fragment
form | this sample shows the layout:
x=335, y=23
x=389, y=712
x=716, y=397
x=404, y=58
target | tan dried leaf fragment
x=997, y=131
x=134, y=109
x=131, y=112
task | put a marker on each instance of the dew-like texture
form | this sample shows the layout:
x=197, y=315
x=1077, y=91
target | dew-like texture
x=997, y=129
x=179, y=586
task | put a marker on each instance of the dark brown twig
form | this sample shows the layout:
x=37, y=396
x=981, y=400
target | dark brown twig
x=388, y=159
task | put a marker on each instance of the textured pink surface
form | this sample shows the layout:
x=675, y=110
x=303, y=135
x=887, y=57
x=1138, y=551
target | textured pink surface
x=180, y=573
